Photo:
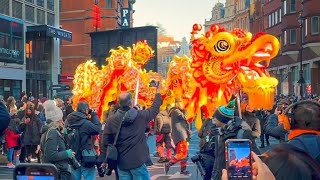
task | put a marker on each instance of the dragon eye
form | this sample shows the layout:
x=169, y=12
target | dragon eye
x=222, y=46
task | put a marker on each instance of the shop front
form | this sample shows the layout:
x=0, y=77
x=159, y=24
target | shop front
x=12, y=71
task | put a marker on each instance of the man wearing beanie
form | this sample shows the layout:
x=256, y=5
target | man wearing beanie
x=231, y=127
x=52, y=141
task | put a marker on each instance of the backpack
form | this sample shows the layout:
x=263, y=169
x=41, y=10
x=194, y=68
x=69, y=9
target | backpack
x=73, y=141
x=158, y=123
x=233, y=130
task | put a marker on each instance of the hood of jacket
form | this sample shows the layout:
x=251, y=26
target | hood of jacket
x=310, y=143
x=128, y=116
x=44, y=129
x=76, y=119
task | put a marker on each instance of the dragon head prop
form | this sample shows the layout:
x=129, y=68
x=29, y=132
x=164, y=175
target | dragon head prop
x=224, y=61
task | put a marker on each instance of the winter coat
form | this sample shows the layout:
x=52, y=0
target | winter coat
x=273, y=129
x=253, y=122
x=163, y=123
x=11, y=138
x=4, y=118
x=86, y=127
x=54, y=150
x=68, y=110
x=132, y=145
x=236, y=129
x=207, y=137
x=180, y=125
x=310, y=143
x=31, y=131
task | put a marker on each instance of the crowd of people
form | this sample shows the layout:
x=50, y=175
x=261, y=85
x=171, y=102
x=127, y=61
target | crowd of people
x=78, y=143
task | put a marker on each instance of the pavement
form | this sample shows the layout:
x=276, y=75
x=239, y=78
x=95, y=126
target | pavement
x=156, y=170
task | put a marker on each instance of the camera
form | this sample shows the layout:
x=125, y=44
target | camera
x=75, y=163
x=197, y=159
x=101, y=171
x=154, y=83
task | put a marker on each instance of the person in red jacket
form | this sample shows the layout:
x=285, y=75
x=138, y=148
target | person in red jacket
x=11, y=141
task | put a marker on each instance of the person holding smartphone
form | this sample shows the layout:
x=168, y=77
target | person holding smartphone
x=54, y=147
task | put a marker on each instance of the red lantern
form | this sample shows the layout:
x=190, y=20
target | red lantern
x=96, y=16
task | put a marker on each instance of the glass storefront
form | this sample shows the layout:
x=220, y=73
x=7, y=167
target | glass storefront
x=38, y=63
x=10, y=88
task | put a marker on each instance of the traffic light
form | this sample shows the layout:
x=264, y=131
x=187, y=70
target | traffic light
x=96, y=16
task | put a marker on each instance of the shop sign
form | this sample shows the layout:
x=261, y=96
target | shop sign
x=12, y=52
x=125, y=18
x=59, y=33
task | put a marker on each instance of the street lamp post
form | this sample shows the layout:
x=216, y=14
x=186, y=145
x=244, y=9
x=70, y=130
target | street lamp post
x=301, y=79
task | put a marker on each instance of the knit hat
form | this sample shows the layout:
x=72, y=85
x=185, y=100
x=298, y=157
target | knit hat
x=52, y=112
x=225, y=113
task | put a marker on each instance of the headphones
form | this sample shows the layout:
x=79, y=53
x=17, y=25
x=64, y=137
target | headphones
x=291, y=115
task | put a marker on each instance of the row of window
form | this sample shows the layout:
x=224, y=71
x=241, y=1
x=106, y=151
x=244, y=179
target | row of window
x=274, y=18
x=293, y=32
x=50, y=3
x=166, y=59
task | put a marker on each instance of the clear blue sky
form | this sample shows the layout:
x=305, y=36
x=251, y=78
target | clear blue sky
x=176, y=16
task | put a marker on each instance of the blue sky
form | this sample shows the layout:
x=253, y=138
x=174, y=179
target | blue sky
x=176, y=16
x=241, y=152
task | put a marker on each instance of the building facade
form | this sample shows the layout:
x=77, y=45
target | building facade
x=77, y=16
x=232, y=14
x=281, y=19
x=29, y=46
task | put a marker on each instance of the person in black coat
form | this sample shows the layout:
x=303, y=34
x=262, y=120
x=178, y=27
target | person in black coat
x=4, y=118
x=88, y=125
x=131, y=144
x=31, y=127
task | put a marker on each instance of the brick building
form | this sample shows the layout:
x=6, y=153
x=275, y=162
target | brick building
x=77, y=16
x=280, y=18
x=232, y=14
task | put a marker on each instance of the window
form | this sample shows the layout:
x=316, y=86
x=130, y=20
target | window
x=50, y=5
x=293, y=36
x=17, y=9
x=50, y=19
x=272, y=22
x=30, y=1
x=276, y=17
x=280, y=15
x=163, y=59
x=306, y=27
x=4, y=7
x=315, y=25
x=109, y=3
x=269, y=20
x=284, y=37
x=284, y=7
x=292, y=6
x=29, y=13
x=40, y=3
x=40, y=17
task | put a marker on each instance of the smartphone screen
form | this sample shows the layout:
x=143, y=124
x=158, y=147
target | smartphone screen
x=35, y=172
x=238, y=157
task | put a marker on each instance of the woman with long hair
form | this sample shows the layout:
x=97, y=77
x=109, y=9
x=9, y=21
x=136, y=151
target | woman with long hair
x=12, y=108
x=52, y=141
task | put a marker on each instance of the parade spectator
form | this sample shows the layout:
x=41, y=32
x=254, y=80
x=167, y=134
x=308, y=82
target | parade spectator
x=31, y=127
x=263, y=116
x=207, y=146
x=53, y=144
x=4, y=117
x=87, y=123
x=12, y=137
x=180, y=134
x=231, y=127
x=22, y=108
x=254, y=123
x=131, y=144
x=163, y=131
x=304, y=131
x=289, y=162
x=68, y=105
x=12, y=108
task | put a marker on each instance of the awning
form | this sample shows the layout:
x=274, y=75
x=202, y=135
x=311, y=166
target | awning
x=51, y=31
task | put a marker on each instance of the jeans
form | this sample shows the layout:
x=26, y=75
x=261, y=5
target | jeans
x=87, y=173
x=139, y=173
x=10, y=154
